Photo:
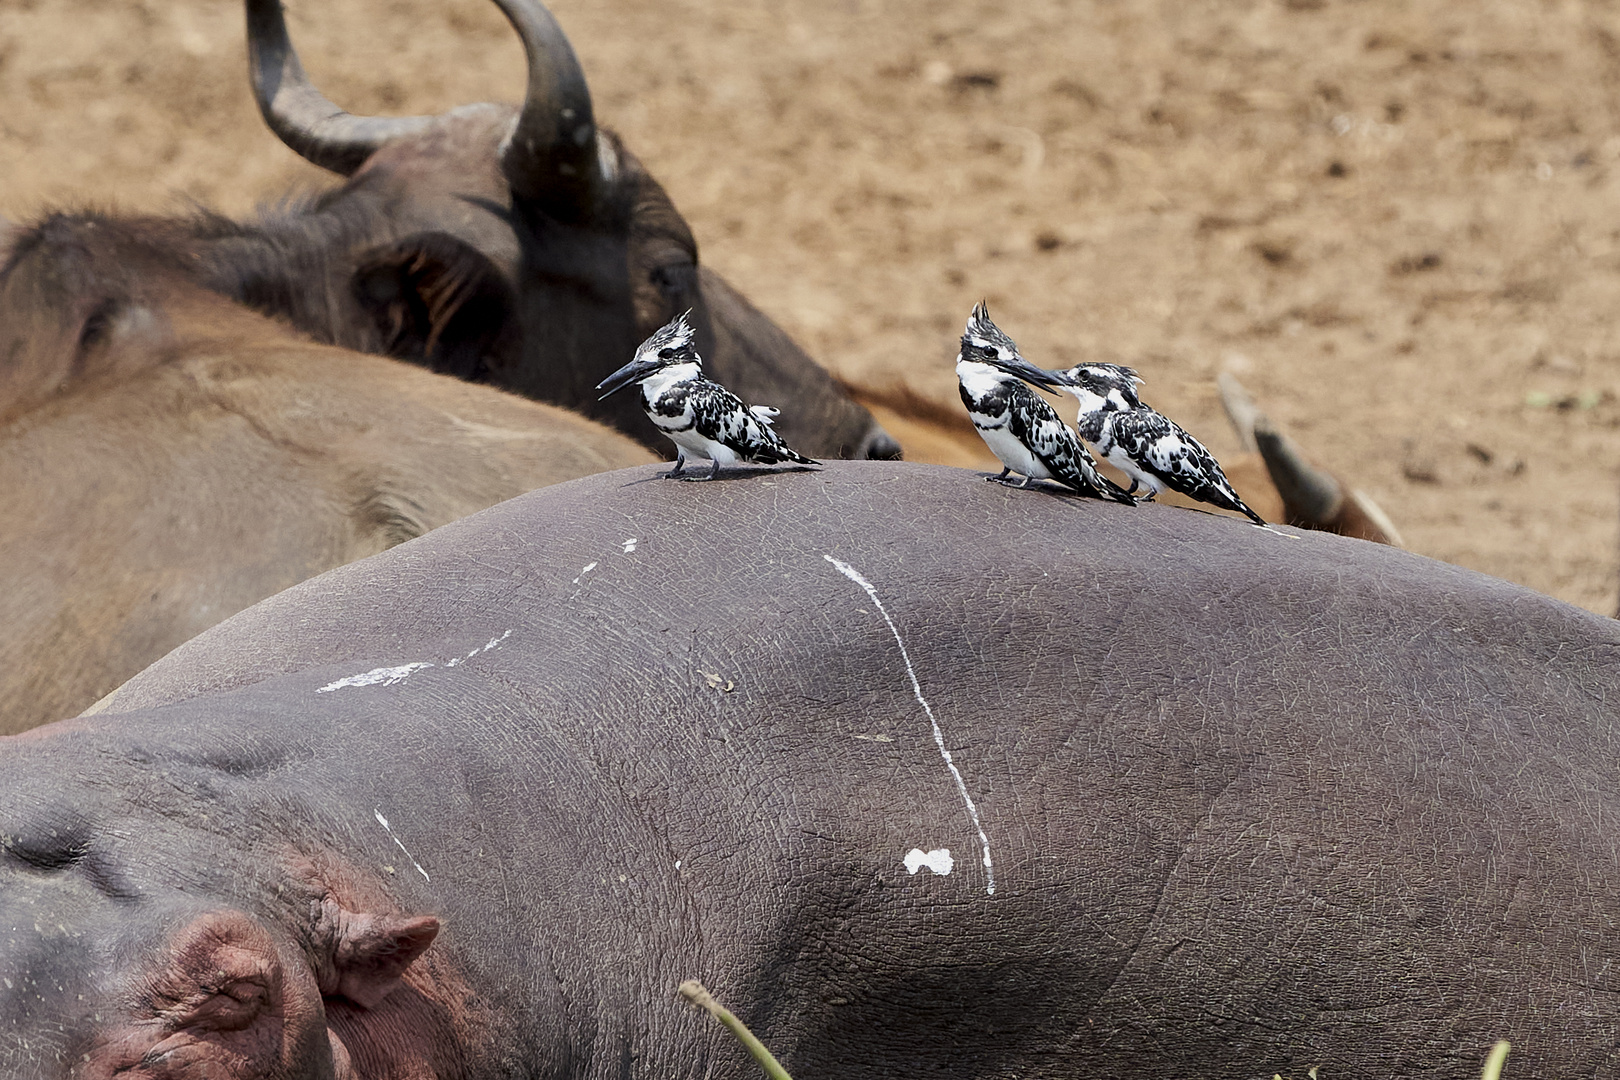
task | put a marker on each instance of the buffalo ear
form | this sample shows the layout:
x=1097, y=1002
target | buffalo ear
x=371, y=952
x=438, y=301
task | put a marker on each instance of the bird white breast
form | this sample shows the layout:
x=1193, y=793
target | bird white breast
x=1013, y=454
x=654, y=385
x=693, y=443
x=978, y=379
x=1122, y=461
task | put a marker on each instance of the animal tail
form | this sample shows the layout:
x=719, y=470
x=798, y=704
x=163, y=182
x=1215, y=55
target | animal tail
x=1229, y=501
x=774, y=450
x=1110, y=490
x=1084, y=478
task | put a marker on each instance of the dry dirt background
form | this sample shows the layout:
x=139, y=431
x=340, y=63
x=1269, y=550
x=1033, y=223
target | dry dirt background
x=1398, y=223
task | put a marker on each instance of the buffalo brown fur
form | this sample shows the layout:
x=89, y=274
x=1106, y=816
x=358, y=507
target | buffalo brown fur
x=168, y=457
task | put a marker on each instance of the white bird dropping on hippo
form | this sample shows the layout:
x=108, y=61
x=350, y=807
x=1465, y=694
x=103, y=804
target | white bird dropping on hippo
x=1020, y=428
x=1150, y=448
x=701, y=417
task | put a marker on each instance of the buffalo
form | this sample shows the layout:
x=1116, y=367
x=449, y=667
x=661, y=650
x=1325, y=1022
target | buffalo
x=168, y=457
x=921, y=775
x=526, y=248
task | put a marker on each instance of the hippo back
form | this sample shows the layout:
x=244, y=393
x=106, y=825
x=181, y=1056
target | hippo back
x=964, y=777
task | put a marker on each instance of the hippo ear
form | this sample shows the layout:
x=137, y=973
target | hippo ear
x=437, y=301
x=371, y=952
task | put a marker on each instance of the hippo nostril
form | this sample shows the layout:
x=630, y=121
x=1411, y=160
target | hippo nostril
x=880, y=446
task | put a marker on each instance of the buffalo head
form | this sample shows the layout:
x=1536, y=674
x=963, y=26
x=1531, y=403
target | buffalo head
x=523, y=247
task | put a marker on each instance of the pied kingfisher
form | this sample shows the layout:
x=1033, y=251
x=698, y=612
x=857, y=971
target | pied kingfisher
x=1018, y=426
x=1150, y=448
x=701, y=417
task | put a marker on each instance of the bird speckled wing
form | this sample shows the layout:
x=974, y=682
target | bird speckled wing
x=1151, y=439
x=722, y=417
x=1037, y=425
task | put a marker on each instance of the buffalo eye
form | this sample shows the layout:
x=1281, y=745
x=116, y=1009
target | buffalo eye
x=98, y=326
x=675, y=279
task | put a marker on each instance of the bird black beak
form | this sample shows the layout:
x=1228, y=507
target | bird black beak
x=634, y=371
x=1035, y=376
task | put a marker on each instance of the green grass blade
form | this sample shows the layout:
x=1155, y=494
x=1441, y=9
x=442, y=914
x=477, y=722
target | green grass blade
x=1493, y=1063
x=693, y=991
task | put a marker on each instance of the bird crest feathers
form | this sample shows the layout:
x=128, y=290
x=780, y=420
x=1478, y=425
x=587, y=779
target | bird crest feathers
x=673, y=343
x=1105, y=380
x=982, y=332
x=1115, y=373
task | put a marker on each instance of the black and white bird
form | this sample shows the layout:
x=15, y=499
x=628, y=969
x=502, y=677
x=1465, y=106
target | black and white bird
x=1018, y=426
x=1150, y=448
x=702, y=418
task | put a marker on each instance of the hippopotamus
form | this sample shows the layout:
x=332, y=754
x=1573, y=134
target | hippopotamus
x=921, y=775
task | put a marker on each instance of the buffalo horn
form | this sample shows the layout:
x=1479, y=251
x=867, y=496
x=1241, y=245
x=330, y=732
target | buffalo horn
x=300, y=115
x=1310, y=494
x=551, y=155
x=1240, y=409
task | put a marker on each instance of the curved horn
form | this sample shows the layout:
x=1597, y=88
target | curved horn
x=1311, y=495
x=1240, y=409
x=551, y=155
x=300, y=115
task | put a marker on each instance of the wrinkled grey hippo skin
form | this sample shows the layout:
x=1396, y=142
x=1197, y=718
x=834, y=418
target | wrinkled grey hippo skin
x=1252, y=803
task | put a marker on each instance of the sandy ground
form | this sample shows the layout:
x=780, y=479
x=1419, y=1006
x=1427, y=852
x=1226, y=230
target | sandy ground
x=1398, y=223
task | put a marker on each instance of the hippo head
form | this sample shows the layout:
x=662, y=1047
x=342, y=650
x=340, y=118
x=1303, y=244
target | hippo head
x=212, y=994
x=102, y=974
x=196, y=993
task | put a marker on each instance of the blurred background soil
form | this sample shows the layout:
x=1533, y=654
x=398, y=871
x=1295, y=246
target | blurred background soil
x=1397, y=223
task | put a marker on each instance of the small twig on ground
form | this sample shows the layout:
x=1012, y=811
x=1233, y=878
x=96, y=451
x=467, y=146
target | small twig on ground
x=693, y=991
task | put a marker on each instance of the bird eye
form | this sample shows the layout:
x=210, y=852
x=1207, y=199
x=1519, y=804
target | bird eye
x=989, y=351
x=666, y=354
